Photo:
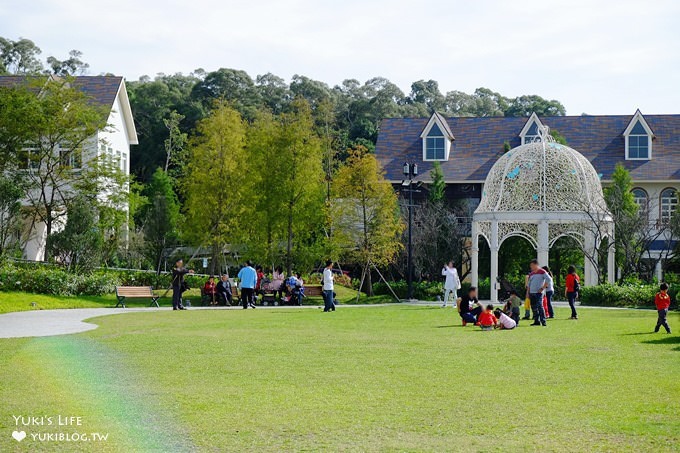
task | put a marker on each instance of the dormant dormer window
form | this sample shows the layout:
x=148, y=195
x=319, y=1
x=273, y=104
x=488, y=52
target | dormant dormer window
x=531, y=132
x=638, y=136
x=437, y=138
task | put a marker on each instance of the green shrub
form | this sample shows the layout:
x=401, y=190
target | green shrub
x=622, y=295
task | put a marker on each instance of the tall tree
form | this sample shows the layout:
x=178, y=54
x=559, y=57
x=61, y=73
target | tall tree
x=20, y=57
x=218, y=186
x=438, y=185
x=79, y=245
x=621, y=203
x=526, y=105
x=160, y=217
x=286, y=157
x=73, y=65
x=11, y=193
x=366, y=213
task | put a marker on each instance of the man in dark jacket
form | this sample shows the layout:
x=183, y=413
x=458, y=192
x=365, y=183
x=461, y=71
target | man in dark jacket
x=467, y=313
x=224, y=290
x=178, y=274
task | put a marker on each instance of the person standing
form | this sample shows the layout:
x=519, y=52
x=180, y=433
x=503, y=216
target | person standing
x=328, y=287
x=663, y=303
x=537, y=283
x=248, y=278
x=549, y=293
x=572, y=285
x=451, y=284
x=178, y=286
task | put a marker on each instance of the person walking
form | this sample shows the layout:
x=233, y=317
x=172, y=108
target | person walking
x=248, y=278
x=328, y=287
x=178, y=286
x=451, y=284
x=663, y=303
x=537, y=283
x=572, y=286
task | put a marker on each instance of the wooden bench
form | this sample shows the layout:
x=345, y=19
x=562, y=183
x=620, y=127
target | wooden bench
x=135, y=292
x=313, y=291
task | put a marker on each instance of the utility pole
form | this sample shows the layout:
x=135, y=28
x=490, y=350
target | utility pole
x=410, y=172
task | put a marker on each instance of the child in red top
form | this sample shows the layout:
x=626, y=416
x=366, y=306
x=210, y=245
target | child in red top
x=662, y=301
x=487, y=320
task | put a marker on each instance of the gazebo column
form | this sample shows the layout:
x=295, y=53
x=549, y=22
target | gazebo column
x=494, y=261
x=589, y=270
x=474, y=255
x=543, y=249
x=611, y=259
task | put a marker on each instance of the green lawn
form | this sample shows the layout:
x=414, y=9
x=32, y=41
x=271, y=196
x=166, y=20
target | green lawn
x=20, y=301
x=395, y=378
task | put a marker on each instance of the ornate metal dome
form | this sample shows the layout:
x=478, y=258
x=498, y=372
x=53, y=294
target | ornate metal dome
x=542, y=176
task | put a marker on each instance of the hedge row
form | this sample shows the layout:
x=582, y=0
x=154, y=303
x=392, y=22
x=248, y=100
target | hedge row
x=623, y=295
x=53, y=280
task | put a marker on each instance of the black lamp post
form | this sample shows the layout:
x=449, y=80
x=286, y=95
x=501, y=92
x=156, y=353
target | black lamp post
x=410, y=172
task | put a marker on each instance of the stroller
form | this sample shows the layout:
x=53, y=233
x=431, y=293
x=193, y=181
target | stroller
x=295, y=291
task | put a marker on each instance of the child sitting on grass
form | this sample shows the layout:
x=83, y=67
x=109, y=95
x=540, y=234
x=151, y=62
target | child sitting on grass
x=505, y=322
x=487, y=320
x=514, y=304
x=663, y=302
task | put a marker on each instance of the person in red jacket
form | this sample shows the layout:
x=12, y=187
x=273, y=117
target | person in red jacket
x=487, y=320
x=210, y=290
x=662, y=301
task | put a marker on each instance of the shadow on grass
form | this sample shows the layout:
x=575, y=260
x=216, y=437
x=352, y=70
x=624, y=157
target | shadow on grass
x=675, y=339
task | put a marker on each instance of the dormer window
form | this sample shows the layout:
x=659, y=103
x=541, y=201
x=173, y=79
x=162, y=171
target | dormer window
x=638, y=136
x=530, y=132
x=435, y=146
x=437, y=138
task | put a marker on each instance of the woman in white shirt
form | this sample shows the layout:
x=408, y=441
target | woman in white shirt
x=451, y=284
x=549, y=292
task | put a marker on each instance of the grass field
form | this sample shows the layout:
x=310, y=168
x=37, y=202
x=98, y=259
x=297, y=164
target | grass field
x=396, y=378
x=20, y=301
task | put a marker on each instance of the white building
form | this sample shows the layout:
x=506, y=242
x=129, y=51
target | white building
x=648, y=146
x=113, y=141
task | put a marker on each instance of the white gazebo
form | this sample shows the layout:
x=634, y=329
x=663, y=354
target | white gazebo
x=542, y=191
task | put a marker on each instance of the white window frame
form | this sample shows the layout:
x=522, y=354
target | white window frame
x=643, y=203
x=437, y=119
x=627, y=134
x=533, y=119
x=671, y=203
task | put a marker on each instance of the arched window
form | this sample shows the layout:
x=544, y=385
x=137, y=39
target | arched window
x=668, y=204
x=642, y=200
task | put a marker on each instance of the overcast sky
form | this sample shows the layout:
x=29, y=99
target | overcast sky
x=595, y=56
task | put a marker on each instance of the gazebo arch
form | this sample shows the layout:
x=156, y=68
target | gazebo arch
x=542, y=191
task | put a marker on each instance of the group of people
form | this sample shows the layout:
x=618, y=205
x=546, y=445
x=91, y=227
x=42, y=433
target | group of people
x=252, y=282
x=486, y=317
x=540, y=289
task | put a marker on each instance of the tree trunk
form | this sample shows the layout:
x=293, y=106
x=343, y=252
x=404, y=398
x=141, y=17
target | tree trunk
x=289, y=245
x=214, y=259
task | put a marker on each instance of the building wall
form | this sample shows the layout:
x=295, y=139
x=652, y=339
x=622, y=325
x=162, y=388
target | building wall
x=113, y=142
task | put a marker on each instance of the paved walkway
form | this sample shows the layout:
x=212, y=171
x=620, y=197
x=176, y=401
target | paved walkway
x=44, y=323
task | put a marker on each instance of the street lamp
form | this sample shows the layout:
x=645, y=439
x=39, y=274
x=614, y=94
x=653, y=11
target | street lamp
x=410, y=172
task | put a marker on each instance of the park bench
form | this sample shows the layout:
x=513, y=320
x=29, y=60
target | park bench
x=135, y=292
x=313, y=291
